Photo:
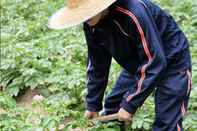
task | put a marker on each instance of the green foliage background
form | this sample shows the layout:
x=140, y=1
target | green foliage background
x=33, y=56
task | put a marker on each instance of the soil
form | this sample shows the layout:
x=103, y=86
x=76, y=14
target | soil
x=2, y=111
x=26, y=101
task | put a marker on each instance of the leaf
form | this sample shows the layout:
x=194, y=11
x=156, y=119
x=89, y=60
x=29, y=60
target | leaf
x=14, y=88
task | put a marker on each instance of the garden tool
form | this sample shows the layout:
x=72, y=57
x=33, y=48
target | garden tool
x=124, y=126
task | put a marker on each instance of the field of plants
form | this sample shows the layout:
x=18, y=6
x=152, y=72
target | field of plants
x=43, y=72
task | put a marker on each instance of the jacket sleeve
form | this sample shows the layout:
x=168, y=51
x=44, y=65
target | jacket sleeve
x=152, y=61
x=99, y=61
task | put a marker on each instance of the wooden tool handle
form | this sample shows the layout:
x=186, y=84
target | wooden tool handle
x=107, y=118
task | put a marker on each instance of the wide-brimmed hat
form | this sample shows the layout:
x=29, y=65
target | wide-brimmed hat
x=76, y=12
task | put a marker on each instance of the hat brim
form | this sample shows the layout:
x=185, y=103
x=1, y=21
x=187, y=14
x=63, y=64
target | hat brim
x=66, y=17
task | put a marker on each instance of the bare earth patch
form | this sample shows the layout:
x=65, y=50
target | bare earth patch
x=26, y=101
x=2, y=111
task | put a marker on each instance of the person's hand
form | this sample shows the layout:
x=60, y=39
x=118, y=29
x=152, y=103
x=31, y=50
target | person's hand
x=90, y=115
x=124, y=115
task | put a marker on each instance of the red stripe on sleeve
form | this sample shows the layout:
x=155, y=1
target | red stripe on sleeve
x=145, y=46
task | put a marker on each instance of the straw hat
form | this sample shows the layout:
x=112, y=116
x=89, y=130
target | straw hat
x=76, y=12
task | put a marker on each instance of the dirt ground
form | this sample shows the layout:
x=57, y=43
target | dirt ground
x=26, y=101
x=2, y=111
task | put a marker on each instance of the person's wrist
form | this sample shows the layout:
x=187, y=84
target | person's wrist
x=89, y=114
x=124, y=115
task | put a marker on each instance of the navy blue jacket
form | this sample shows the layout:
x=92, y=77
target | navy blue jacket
x=144, y=40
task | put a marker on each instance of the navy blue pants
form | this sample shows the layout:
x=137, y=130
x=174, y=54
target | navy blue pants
x=171, y=98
